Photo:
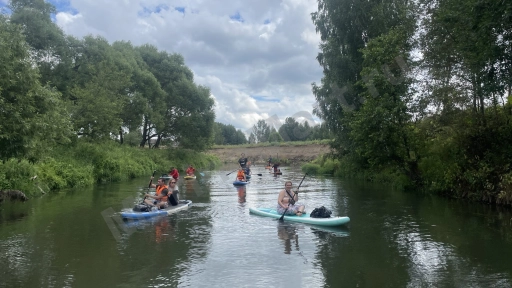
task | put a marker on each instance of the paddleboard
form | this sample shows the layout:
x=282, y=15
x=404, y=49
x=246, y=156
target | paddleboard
x=332, y=221
x=130, y=214
x=239, y=183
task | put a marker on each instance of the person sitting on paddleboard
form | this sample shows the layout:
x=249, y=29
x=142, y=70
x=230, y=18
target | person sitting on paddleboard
x=173, y=196
x=190, y=170
x=288, y=199
x=242, y=161
x=174, y=173
x=240, y=175
x=160, y=199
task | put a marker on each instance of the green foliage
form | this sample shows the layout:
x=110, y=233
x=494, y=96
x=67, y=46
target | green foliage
x=15, y=174
x=311, y=169
x=228, y=135
x=322, y=165
x=275, y=137
x=32, y=117
x=261, y=131
x=292, y=130
x=64, y=174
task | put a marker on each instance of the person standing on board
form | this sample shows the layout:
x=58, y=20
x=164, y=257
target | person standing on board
x=190, y=170
x=276, y=167
x=270, y=161
x=242, y=161
x=288, y=199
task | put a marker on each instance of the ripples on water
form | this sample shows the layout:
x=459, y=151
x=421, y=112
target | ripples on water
x=393, y=240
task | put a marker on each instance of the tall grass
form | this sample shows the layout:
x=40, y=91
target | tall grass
x=84, y=164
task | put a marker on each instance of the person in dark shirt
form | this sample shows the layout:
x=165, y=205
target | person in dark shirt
x=172, y=196
x=242, y=161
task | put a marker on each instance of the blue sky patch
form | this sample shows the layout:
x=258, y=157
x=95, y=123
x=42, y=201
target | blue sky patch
x=180, y=9
x=63, y=6
x=146, y=11
x=237, y=17
x=267, y=21
x=265, y=99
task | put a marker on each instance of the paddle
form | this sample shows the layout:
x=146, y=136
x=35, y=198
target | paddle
x=282, y=216
x=149, y=186
x=259, y=174
x=231, y=172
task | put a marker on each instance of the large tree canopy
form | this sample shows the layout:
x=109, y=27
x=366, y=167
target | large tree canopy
x=92, y=88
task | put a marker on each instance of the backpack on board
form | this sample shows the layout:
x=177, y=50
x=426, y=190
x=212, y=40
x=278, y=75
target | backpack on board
x=141, y=208
x=320, y=212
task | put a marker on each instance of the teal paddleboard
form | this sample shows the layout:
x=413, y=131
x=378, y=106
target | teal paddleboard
x=332, y=221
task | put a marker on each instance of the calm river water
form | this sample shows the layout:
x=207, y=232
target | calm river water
x=394, y=239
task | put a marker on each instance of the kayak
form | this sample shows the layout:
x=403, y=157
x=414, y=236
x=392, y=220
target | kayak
x=188, y=177
x=130, y=214
x=332, y=221
x=239, y=183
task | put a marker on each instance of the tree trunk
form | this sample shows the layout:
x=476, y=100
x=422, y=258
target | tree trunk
x=144, y=133
x=121, y=139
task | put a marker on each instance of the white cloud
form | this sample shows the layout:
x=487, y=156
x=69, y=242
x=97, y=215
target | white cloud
x=270, y=56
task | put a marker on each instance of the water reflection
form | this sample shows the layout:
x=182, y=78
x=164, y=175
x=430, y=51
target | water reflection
x=242, y=193
x=288, y=234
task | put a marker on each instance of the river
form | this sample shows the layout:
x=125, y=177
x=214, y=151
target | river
x=394, y=239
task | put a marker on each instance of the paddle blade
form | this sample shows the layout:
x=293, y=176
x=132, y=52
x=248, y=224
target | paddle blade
x=259, y=174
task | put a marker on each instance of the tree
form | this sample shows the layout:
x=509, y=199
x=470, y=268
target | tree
x=345, y=28
x=32, y=117
x=49, y=48
x=292, y=130
x=261, y=131
x=275, y=136
x=252, y=138
x=183, y=106
x=99, y=89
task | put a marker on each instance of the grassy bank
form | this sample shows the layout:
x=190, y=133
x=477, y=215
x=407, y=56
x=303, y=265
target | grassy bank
x=268, y=144
x=84, y=164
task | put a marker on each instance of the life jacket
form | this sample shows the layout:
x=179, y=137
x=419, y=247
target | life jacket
x=240, y=175
x=174, y=174
x=159, y=190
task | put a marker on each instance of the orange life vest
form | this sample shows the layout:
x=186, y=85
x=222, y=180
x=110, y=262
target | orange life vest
x=240, y=175
x=159, y=190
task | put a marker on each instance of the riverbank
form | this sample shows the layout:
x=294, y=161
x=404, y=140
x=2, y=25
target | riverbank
x=293, y=155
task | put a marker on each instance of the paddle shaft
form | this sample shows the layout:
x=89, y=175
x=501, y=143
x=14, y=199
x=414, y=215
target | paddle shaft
x=282, y=216
x=150, y=182
x=231, y=172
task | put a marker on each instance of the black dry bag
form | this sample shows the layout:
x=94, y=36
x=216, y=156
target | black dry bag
x=141, y=208
x=321, y=212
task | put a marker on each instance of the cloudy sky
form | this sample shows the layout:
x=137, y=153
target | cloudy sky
x=258, y=57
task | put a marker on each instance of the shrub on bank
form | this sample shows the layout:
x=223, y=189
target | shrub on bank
x=86, y=163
